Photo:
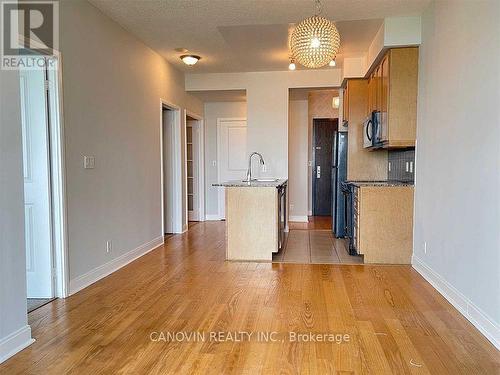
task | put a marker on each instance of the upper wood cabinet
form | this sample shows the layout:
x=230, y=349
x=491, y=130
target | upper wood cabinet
x=393, y=92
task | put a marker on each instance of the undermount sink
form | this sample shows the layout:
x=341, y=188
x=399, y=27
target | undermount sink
x=263, y=180
x=267, y=179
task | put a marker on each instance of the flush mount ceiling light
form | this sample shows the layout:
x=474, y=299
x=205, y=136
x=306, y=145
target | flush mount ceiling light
x=190, y=59
x=315, y=41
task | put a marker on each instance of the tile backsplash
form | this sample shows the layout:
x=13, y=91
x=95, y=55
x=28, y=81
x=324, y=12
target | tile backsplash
x=401, y=165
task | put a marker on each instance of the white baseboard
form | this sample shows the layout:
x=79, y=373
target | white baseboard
x=104, y=270
x=487, y=326
x=298, y=219
x=212, y=217
x=15, y=342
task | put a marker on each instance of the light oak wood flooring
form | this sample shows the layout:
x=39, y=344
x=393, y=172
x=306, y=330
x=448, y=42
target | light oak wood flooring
x=396, y=322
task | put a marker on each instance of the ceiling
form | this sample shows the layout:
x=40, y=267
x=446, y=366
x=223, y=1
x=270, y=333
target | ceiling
x=246, y=35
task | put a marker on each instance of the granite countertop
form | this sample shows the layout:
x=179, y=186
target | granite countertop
x=380, y=183
x=240, y=183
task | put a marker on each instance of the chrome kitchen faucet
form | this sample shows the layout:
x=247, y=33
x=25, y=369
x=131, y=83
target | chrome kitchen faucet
x=249, y=171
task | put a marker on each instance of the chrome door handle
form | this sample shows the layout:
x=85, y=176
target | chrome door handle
x=318, y=171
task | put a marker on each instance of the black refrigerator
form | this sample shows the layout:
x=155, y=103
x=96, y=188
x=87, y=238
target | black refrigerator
x=339, y=175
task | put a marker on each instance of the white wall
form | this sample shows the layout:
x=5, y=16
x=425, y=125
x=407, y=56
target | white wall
x=298, y=194
x=267, y=106
x=457, y=195
x=213, y=111
x=15, y=334
x=112, y=89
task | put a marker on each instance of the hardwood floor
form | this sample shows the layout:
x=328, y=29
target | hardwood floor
x=394, y=320
x=314, y=223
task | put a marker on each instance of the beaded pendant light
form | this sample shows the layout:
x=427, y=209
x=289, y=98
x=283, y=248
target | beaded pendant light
x=315, y=41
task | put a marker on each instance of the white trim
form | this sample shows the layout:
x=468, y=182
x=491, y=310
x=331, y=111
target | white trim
x=178, y=225
x=220, y=192
x=487, y=326
x=309, y=213
x=58, y=184
x=298, y=219
x=15, y=342
x=210, y=217
x=106, y=269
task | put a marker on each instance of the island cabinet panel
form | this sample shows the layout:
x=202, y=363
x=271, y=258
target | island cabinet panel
x=385, y=219
x=252, y=223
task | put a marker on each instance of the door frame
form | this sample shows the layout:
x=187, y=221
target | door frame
x=58, y=184
x=313, y=169
x=57, y=176
x=177, y=186
x=220, y=195
x=201, y=165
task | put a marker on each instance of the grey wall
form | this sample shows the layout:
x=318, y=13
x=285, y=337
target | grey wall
x=112, y=86
x=212, y=112
x=12, y=251
x=457, y=195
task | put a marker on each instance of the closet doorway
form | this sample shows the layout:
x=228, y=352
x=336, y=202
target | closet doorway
x=194, y=168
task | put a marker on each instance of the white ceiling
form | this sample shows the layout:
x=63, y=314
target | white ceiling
x=246, y=35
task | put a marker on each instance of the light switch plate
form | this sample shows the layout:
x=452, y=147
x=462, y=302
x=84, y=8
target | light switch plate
x=89, y=162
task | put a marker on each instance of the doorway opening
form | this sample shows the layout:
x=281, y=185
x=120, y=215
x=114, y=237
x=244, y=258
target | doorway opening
x=313, y=133
x=174, y=220
x=44, y=187
x=194, y=168
x=324, y=130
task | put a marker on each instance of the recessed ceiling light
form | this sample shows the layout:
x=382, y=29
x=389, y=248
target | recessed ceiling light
x=190, y=59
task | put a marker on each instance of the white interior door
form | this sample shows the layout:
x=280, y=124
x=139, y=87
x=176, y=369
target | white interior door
x=231, y=154
x=37, y=204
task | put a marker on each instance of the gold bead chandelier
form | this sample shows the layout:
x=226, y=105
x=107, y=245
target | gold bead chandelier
x=315, y=41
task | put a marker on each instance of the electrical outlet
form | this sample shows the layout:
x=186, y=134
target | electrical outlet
x=89, y=162
x=109, y=246
x=214, y=163
x=425, y=247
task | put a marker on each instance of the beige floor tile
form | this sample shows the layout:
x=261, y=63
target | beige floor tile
x=325, y=260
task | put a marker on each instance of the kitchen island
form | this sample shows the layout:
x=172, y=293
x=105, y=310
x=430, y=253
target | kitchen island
x=255, y=218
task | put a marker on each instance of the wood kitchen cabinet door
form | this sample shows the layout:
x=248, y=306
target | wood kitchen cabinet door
x=393, y=91
x=402, y=87
x=384, y=95
x=378, y=88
